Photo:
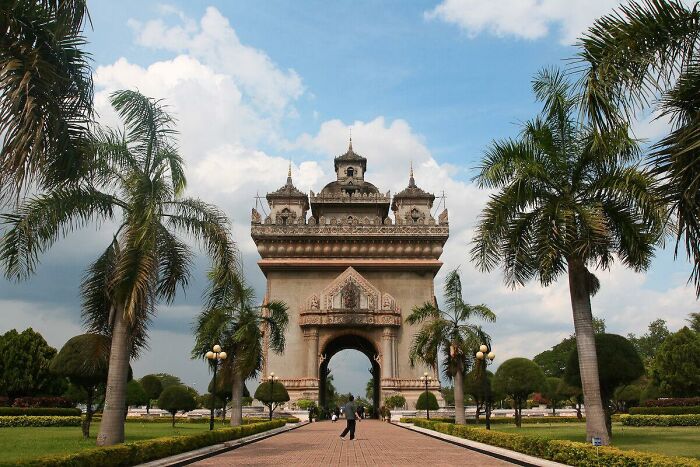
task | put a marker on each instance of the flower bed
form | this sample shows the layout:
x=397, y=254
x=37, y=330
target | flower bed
x=39, y=411
x=566, y=452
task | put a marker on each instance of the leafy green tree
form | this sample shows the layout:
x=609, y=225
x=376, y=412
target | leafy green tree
x=647, y=345
x=369, y=389
x=25, y=358
x=694, y=321
x=448, y=394
x=449, y=334
x=567, y=199
x=272, y=394
x=517, y=378
x=46, y=94
x=177, y=398
x=167, y=380
x=643, y=57
x=474, y=387
x=224, y=382
x=84, y=360
x=618, y=364
x=232, y=320
x=304, y=404
x=395, y=401
x=153, y=386
x=574, y=395
x=137, y=181
x=628, y=395
x=552, y=391
x=553, y=361
x=676, y=368
x=430, y=404
x=135, y=394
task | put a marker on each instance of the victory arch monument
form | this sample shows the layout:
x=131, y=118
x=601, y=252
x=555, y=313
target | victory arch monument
x=350, y=275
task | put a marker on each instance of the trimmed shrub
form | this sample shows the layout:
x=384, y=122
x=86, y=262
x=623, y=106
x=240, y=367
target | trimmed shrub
x=39, y=411
x=661, y=420
x=673, y=410
x=432, y=403
x=144, y=451
x=43, y=402
x=38, y=421
x=246, y=421
x=673, y=402
x=566, y=452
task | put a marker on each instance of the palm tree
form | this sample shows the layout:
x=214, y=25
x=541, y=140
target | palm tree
x=233, y=321
x=643, y=57
x=449, y=332
x=567, y=201
x=137, y=181
x=45, y=93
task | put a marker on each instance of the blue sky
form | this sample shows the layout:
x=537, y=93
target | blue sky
x=255, y=84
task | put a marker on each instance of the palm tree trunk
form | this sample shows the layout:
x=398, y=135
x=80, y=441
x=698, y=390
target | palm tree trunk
x=459, y=398
x=237, y=398
x=88, y=412
x=112, y=426
x=587, y=357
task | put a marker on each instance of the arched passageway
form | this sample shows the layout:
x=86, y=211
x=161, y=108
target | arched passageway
x=354, y=342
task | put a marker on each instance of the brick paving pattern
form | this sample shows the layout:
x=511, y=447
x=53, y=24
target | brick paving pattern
x=376, y=443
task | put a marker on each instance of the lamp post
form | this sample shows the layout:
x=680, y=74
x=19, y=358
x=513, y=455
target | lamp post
x=272, y=384
x=216, y=356
x=426, y=379
x=486, y=356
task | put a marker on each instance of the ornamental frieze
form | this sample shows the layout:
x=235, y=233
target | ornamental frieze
x=349, y=319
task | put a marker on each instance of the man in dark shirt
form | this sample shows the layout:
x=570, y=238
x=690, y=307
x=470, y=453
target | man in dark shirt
x=350, y=416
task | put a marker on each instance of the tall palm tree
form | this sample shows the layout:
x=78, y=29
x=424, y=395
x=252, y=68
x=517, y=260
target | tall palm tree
x=233, y=321
x=45, y=93
x=137, y=181
x=643, y=57
x=450, y=334
x=567, y=201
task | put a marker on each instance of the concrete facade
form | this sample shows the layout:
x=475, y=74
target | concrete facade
x=350, y=275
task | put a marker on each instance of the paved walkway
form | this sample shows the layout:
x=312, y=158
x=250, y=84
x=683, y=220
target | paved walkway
x=376, y=443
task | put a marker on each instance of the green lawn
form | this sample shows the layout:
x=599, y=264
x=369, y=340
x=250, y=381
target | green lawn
x=672, y=441
x=25, y=443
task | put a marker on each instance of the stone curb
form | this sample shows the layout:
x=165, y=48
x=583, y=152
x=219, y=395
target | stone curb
x=193, y=456
x=501, y=453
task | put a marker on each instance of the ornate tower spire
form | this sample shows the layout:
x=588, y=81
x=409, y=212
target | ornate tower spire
x=411, y=180
x=289, y=174
x=350, y=145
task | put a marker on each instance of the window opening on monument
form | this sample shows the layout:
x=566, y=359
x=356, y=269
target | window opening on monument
x=350, y=172
x=415, y=215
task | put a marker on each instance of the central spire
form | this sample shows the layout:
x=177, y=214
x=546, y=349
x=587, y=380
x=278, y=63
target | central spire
x=289, y=173
x=411, y=180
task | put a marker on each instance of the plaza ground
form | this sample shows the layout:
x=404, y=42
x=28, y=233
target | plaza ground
x=376, y=443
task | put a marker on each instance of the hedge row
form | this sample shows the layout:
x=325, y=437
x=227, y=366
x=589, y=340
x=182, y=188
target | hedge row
x=675, y=410
x=661, y=420
x=566, y=452
x=501, y=420
x=673, y=402
x=39, y=411
x=38, y=421
x=168, y=419
x=43, y=401
x=144, y=451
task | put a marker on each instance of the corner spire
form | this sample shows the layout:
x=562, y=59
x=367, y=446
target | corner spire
x=411, y=180
x=350, y=145
x=289, y=173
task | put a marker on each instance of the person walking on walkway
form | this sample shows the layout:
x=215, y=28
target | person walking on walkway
x=350, y=416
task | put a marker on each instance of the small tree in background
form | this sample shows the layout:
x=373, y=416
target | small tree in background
x=153, y=387
x=431, y=404
x=395, y=402
x=176, y=399
x=676, y=369
x=224, y=382
x=167, y=380
x=474, y=387
x=618, y=364
x=648, y=344
x=517, y=378
x=272, y=394
x=135, y=394
x=84, y=360
x=552, y=391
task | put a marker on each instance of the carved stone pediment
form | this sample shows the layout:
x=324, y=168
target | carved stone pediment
x=350, y=300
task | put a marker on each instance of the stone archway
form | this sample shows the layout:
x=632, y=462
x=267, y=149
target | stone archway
x=349, y=341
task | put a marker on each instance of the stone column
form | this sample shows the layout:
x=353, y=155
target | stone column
x=311, y=338
x=388, y=353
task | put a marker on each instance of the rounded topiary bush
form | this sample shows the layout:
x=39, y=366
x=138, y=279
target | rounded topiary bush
x=431, y=404
x=175, y=399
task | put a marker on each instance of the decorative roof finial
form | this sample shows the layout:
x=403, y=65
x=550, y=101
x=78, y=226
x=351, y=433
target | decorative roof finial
x=350, y=145
x=289, y=173
x=411, y=180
